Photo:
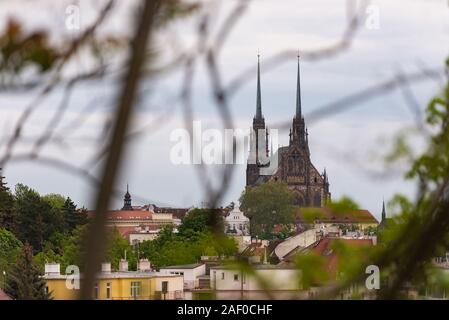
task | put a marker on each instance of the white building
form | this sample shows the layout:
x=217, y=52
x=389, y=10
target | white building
x=278, y=278
x=140, y=236
x=190, y=272
x=236, y=223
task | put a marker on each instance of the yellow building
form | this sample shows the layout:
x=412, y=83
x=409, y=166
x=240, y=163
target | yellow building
x=120, y=285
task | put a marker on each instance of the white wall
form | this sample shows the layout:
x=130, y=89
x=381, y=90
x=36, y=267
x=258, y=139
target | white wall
x=276, y=279
x=174, y=283
x=190, y=275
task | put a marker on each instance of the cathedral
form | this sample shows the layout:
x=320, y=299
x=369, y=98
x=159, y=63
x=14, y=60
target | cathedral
x=292, y=163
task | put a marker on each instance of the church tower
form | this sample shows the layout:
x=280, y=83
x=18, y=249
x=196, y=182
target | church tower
x=258, y=151
x=127, y=200
x=294, y=166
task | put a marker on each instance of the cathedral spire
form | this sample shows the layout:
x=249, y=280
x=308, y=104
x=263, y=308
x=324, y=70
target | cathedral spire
x=298, y=94
x=259, y=99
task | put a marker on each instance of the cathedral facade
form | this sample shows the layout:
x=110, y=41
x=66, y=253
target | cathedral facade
x=292, y=163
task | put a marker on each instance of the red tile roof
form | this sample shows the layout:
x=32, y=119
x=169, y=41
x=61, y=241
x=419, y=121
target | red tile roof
x=178, y=213
x=127, y=215
x=324, y=248
x=326, y=215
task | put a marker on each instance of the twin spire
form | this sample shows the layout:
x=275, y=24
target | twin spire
x=259, y=98
x=298, y=94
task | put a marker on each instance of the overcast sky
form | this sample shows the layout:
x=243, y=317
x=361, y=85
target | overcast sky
x=411, y=35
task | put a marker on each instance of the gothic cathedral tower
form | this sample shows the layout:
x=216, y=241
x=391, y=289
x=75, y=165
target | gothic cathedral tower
x=311, y=189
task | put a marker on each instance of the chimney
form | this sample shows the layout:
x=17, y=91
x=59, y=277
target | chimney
x=52, y=269
x=123, y=265
x=144, y=265
x=106, y=267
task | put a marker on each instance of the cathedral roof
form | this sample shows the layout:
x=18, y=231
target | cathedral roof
x=327, y=215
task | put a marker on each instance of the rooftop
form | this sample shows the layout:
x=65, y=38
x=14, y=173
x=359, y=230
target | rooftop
x=256, y=267
x=127, y=214
x=114, y=275
x=184, y=266
x=326, y=214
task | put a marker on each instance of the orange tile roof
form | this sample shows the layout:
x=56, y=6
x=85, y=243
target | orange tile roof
x=127, y=215
x=326, y=215
x=324, y=248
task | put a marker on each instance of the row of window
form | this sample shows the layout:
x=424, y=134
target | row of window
x=108, y=290
x=236, y=277
x=135, y=289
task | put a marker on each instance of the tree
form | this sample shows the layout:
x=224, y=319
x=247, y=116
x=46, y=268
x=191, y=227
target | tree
x=117, y=246
x=9, y=249
x=200, y=220
x=34, y=224
x=7, y=217
x=73, y=216
x=24, y=281
x=54, y=215
x=267, y=205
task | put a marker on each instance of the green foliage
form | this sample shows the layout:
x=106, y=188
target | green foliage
x=7, y=213
x=9, y=249
x=33, y=217
x=267, y=205
x=343, y=205
x=73, y=216
x=174, y=9
x=19, y=50
x=117, y=246
x=201, y=220
x=187, y=247
x=24, y=281
x=313, y=272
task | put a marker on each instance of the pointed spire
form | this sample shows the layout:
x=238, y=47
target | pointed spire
x=127, y=200
x=384, y=214
x=259, y=99
x=298, y=94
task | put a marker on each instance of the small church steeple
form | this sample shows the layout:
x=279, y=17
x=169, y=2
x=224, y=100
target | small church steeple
x=384, y=214
x=298, y=93
x=127, y=200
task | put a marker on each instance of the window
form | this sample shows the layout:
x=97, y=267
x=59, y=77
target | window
x=135, y=289
x=317, y=200
x=108, y=290
x=164, y=286
x=95, y=295
x=236, y=277
x=222, y=276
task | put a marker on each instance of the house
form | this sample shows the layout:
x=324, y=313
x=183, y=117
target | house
x=190, y=273
x=142, y=284
x=327, y=218
x=137, y=223
x=236, y=223
x=274, y=277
